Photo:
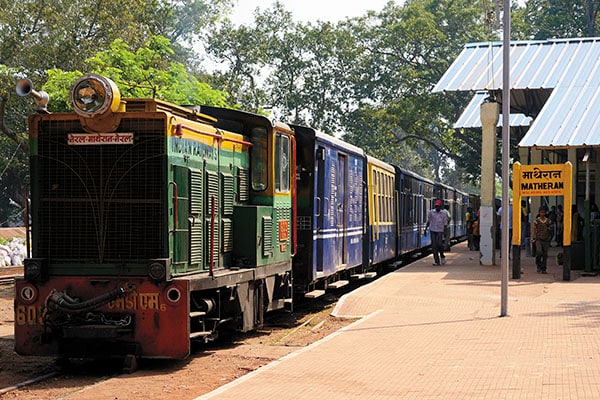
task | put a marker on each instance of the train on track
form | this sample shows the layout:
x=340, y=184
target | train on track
x=154, y=225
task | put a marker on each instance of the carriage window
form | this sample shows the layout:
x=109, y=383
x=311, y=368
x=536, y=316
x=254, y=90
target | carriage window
x=259, y=158
x=282, y=163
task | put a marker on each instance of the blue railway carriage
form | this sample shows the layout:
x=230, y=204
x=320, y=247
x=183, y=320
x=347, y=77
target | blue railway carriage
x=457, y=202
x=382, y=223
x=330, y=175
x=460, y=222
x=428, y=193
x=414, y=194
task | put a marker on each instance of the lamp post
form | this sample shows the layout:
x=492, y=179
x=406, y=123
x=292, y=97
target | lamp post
x=505, y=157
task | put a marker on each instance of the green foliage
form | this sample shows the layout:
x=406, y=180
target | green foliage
x=407, y=49
x=546, y=19
x=13, y=177
x=41, y=35
x=59, y=36
x=13, y=148
x=57, y=86
x=146, y=72
x=368, y=78
x=151, y=72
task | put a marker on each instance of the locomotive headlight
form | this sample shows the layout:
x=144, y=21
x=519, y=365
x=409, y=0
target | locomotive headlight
x=93, y=95
x=35, y=269
x=159, y=269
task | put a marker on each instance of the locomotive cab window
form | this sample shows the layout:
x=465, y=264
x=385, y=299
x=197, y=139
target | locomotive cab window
x=282, y=163
x=259, y=158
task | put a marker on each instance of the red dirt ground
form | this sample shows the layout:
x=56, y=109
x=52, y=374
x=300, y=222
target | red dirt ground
x=208, y=368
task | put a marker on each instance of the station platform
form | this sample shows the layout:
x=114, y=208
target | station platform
x=435, y=332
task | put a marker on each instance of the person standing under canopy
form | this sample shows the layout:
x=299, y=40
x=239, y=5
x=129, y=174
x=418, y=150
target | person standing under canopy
x=541, y=236
x=437, y=220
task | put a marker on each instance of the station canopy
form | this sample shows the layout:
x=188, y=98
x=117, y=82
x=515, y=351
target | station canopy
x=555, y=88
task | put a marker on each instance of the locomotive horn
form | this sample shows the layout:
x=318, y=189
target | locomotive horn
x=25, y=88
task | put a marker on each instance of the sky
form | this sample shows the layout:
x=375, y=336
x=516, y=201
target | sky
x=308, y=10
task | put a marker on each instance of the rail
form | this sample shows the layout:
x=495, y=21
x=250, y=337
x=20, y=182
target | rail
x=29, y=382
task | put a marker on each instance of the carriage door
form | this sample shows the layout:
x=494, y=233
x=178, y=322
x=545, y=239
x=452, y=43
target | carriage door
x=340, y=206
x=320, y=209
x=180, y=214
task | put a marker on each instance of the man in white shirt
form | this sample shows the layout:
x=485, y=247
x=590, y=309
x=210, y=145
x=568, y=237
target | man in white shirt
x=437, y=220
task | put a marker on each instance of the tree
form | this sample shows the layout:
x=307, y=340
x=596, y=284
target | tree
x=249, y=55
x=36, y=36
x=547, y=19
x=408, y=48
x=148, y=71
x=13, y=161
x=241, y=52
x=365, y=78
x=14, y=147
x=40, y=35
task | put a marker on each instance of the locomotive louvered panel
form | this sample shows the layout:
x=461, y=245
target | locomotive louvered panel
x=213, y=227
x=227, y=235
x=100, y=202
x=196, y=243
x=228, y=194
x=196, y=187
x=243, y=184
x=212, y=180
x=196, y=208
x=267, y=234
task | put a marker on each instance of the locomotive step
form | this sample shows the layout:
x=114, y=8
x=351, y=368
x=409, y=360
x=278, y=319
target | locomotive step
x=366, y=275
x=314, y=294
x=199, y=335
x=196, y=314
x=337, y=284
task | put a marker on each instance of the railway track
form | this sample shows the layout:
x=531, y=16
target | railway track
x=8, y=274
x=8, y=280
x=28, y=382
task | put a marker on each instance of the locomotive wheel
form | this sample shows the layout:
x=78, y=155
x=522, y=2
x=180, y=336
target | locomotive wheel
x=64, y=363
x=130, y=364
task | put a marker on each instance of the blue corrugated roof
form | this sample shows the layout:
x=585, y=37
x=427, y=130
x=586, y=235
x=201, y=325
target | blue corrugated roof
x=569, y=68
x=570, y=118
x=534, y=64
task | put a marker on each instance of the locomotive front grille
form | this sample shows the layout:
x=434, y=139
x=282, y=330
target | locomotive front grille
x=102, y=202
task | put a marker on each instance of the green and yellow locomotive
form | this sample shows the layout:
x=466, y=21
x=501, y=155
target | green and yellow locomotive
x=152, y=225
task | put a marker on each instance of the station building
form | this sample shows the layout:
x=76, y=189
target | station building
x=555, y=118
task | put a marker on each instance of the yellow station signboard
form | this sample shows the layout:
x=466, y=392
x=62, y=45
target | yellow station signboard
x=543, y=180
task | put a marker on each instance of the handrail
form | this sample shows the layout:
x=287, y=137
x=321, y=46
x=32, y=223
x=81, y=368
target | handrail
x=26, y=221
x=212, y=237
x=294, y=201
x=175, y=205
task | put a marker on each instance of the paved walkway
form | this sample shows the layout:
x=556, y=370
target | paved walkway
x=430, y=332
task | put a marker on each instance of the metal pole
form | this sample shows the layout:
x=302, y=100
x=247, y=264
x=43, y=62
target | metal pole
x=505, y=156
x=587, y=244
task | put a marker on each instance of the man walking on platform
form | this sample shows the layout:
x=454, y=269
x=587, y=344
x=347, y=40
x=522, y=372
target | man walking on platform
x=437, y=221
x=541, y=235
